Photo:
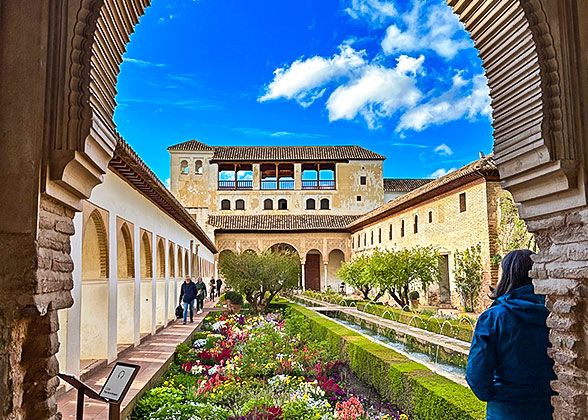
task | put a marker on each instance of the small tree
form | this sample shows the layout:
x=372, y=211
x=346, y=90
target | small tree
x=400, y=271
x=511, y=230
x=353, y=273
x=260, y=277
x=468, y=274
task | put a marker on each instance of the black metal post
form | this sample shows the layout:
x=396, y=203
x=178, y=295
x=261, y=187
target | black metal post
x=80, y=407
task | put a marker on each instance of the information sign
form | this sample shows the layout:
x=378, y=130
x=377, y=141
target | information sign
x=118, y=382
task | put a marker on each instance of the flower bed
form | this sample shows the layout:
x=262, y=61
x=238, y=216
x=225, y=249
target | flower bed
x=266, y=368
x=410, y=385
x=461, y=328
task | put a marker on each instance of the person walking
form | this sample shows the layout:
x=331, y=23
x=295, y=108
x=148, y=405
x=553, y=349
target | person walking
x=219, y=284
x=200, y=295
x=212, y=288
x=508, y=365
x=187, y=295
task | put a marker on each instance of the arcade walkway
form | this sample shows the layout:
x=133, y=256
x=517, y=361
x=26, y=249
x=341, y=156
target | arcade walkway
x=153, y=355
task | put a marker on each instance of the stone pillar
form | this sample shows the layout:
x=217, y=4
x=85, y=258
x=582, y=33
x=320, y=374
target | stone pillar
x=303, y=276
x=326, y=269
x=561, y=272
x=154, y=275
x=112, y=334
x=137, y=261
x=167, y=280
x=297, y=176
x=256, y=177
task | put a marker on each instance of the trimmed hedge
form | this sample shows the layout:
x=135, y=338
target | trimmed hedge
x=458, y=329
x=410, y=385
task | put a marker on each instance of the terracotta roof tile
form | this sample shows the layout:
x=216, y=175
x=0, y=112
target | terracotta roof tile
x=133, y=170
x=404, y=184
x=280, y=222
x=273, y=153
x=481, y=167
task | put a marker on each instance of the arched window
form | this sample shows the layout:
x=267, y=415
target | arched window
x=240, y=204
x=364, y=239
x=402, y=229
x=184, y=167
x=172, y=267
x=325, y=204
x=416, y=223
x=94, y=248
x=268, y=204
x=198, y=167
x=390, y=232
x=225, y=205
x=310, y=204
x=380, y=235
x=125, y=258
x=146, y=263
x=160, y=259
x=282, y=204
x=372, y=235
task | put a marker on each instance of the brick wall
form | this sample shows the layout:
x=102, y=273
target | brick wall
x=29, y=330
x=561, y=272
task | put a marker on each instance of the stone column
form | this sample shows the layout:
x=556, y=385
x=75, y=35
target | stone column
x=297, y=176
x=256, y=177
x=561, y=272
x=137, y=261
x=112, y=335
x=167, y=280
x=154, y=273
x=326, y=268
x=303, y=276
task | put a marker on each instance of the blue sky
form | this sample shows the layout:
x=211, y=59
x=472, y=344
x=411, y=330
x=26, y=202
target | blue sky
x=400, y=78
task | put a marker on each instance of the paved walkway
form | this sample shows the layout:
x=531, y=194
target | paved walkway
x=153, y=355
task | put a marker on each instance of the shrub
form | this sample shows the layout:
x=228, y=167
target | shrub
x=413, y=295
x=234, y=297
x=156, y=398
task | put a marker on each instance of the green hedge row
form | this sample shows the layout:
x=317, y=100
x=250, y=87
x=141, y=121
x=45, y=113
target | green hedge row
x=453, y=328
x=410, y=385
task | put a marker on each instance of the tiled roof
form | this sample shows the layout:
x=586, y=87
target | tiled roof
x=193, y=145
x=280, y=222
x=403, y=185
x=273, y=153
x=484, y=167
x=132, y=169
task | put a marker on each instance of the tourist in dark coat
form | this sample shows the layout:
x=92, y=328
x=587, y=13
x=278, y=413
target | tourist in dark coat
x=200, y=295
x=219, y=284
x=187, y=296
x=212, y=288
x=508, y=365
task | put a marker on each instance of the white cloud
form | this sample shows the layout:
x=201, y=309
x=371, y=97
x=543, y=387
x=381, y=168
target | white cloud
x=375, y=10
x=465, y=99
x=441, y=172
x=439, y=30
x=304, y=79
x=167, y=183
x=443, y=150
x=256, y=132
x=142, y=63
x=379, y=92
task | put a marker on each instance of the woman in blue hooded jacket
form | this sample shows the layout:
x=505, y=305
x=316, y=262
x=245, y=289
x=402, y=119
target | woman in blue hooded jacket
x=508, y=365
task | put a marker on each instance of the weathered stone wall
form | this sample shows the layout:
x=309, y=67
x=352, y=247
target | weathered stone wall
x=561, y=272
x=199, y=193
x=28, y=319
x=450, y=230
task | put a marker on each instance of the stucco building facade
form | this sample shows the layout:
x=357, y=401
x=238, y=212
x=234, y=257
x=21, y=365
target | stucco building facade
x=451, y=213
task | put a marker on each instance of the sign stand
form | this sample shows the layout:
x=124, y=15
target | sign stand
x=113, y=392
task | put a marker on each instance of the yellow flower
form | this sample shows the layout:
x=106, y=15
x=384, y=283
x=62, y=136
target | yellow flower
x=403, y=417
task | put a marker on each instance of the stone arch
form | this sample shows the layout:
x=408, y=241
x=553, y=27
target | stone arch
x=125, y=253
x=283, y=247
x=180, y=264
x=94, y=248
x=146, y=257
x=335, y=260
x=198, y=167
x=186, y=263
x=160, y=259
x=171, y=259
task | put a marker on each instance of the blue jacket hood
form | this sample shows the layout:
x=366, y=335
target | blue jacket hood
x=524, y=305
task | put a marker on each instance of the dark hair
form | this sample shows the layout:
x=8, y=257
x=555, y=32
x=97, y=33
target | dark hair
x=515, y=272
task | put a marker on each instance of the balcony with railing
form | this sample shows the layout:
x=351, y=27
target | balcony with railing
x=318, y=184
x=235, y=185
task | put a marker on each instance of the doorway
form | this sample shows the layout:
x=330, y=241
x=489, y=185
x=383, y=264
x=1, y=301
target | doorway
x=444, y=288
x=312, y=272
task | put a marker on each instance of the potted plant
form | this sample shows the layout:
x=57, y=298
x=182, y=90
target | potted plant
x=414, y=296
x=234, y=301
